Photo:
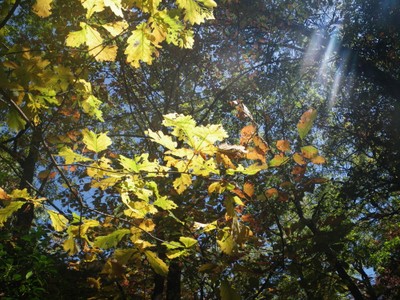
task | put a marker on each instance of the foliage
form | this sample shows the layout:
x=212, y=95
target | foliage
x=262, y=163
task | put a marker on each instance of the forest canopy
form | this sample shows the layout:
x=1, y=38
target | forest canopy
x=199, y=149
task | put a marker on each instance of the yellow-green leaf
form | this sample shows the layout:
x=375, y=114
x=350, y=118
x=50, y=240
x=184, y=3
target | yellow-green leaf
x=42, y=8
x=158, y=265
x=95, y=142
x=188, y=242
x=165, y=203
x=309, y=152
x=306, y=122
x=278, y=160
x=72, y=157
x=11, y=208
x=139, y=46
x=111, y=240
x=58, y=220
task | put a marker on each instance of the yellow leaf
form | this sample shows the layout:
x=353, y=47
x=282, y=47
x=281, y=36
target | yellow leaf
x=182, y=183
x=319, y=160
x=76, y=38
x=147, y=225
x=162, y=139
x=139, y=47
x=197, y=11
x=116, y=28
x=156, y=263
x=115, y=6
x=107, y=53
x=42, y=8
x=72, y=157
x=248, y=188
x=299, y=159
x=92, y=6
x=58, y=220
x=4, y=195
x=70, y=246
x=226, y=243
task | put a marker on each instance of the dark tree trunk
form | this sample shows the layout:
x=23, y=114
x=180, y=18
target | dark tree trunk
x=158, y=287
x=174, y=281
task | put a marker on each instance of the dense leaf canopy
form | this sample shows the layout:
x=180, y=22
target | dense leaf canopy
x=199, y=149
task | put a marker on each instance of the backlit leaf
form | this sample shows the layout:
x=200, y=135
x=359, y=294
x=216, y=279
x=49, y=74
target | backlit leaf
x=147, y=225
x=182, y=183
x=11, y=208
x=197, y=11
x=162, y=139
x=278, y=160
x=111, y=240
x=283, y=145
x=165, y=204
x=115, y=6
x=116, y=28
x=92, y=6
x=299, y=159
x=139, y=47
x=95, y=142
x=247, y=133
x=42, y=8
x=158, y=265
x=226, y=243
x=309, y=152
x=72, y=157
x=319, y=160
x=58, y=220
x=306, y=122
x=248, y=188
x=188, y=242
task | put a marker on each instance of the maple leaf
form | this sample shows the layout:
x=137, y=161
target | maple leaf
x=182, y=183
x=139, y=46
x=72, y=157
x=42, y=8
x=162, y=139
x=92, y=6
x=95, y=142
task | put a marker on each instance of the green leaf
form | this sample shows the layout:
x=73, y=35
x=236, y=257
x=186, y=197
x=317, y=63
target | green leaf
x=96, y=142
x=164, y=203
x=139, y=46
x=158, y=265
x=306, y=122
x=15, y=121
x=111, y=240
x=11, y=208
x=278, y=160
x=188, y=242
x=91, y=106
x=58, y=220
x=228, y=293
x=72, y=157
x=226, y=243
